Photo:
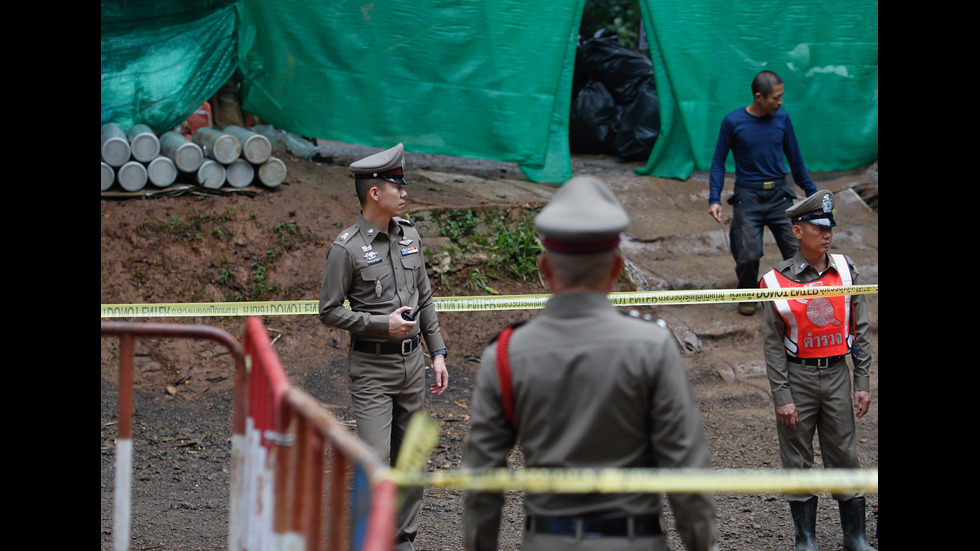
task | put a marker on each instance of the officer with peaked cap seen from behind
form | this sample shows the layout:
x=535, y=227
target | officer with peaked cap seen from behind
x=806, y=343
x=583, y=386
x=377, y=265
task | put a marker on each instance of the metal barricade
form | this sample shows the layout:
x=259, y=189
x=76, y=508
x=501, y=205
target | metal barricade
x=128, y=333
x=282, y=442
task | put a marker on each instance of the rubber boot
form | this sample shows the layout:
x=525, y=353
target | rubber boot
x=805, y=522
x=852, y=523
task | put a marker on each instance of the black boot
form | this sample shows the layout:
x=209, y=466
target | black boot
x=805, y=521
x=852, y=521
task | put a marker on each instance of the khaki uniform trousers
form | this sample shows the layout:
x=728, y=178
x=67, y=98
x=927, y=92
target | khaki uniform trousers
x=386, y=389
x=825, y=405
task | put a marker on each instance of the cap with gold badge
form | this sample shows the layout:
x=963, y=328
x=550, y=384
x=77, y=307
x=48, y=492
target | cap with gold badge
x=817, y=209
x=387, y=165
x=582, y=217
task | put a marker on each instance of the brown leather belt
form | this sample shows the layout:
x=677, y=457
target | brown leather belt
x=404, y=347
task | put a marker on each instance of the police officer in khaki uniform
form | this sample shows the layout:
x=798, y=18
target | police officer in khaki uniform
x=584, y=386
x=377, y=266
x=806, y=342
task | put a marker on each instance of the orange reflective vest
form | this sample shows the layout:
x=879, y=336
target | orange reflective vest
x=816, y=327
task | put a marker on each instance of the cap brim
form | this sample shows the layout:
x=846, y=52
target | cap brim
x=392, y=179
x=825, y=222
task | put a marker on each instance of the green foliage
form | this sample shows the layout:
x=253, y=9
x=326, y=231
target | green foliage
x=288, y=233
x=622, y=17
x=516, y=246
x=260, y=287
x=197, y=225
x=477, y=281
x=506, y=237
x=226, y=275
x=459, y=225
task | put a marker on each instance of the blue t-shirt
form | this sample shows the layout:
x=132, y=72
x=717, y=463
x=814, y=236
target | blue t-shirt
x=761, y=147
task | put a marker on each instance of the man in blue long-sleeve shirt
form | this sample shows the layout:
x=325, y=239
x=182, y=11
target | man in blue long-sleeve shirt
x=761, y=139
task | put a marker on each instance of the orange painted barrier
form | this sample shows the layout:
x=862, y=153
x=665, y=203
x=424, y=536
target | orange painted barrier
x=285, y=445
x=290, y=436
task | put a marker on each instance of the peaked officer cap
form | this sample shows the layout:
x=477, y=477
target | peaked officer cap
x=387, y=165
x=817, y=209
x=582, y=217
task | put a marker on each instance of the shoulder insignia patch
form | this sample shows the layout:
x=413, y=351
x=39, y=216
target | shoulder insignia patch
x=346, y=234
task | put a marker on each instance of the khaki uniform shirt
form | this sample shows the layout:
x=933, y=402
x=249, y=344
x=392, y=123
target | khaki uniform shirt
x=592, y=388
x=798, y=269
x=377, y=272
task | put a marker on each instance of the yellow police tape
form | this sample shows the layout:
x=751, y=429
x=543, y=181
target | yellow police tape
x=481, y=303
x=422, y=436
x=733, y=481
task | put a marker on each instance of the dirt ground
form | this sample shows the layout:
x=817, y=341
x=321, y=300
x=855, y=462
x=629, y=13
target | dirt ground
x=262, y=244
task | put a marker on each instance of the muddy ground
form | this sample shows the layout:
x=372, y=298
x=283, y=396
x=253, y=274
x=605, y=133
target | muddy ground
x=262, y=244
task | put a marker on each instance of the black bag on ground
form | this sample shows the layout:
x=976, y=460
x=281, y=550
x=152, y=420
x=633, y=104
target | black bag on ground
x=592, y=120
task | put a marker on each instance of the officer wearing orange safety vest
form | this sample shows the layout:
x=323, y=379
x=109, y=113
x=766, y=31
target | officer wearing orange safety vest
x=806, y=342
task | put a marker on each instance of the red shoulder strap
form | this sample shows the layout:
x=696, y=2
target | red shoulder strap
x=503, y=372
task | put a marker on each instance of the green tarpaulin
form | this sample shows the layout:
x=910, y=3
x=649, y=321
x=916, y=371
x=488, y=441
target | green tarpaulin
x=705, y=53
x=162, y=60
x=492, y=80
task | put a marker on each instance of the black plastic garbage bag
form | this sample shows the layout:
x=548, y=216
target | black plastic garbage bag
x=639, y=124
x=618, y=68
x=592, y=120
x=614, y=107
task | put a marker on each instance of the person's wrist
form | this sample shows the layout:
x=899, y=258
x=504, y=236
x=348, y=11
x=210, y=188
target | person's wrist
x=440, y=352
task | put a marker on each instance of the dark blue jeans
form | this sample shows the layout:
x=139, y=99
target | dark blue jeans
x=754, y=210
